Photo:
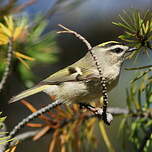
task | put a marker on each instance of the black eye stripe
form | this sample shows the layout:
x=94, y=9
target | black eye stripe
x=117, y=50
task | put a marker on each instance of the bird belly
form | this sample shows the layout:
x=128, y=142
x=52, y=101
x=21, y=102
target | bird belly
x=52, y=90
x=73, y=92
x=78, y=92
x=69, y=92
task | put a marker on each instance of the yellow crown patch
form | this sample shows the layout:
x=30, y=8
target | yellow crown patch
x=106, y=43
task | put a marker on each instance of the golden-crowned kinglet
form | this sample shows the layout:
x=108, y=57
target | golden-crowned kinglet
x=80, y=82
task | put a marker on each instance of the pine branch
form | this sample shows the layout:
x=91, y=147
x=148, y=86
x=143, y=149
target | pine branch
x=8, y=65
x=31, y=117
x=147, y=137
x=115, y=111
x=34, y=115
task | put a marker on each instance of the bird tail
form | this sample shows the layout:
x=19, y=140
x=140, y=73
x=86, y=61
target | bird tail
x=28, y=92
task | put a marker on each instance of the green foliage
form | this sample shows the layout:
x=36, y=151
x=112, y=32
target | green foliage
x=137, y=29
x=137, y=124
x=40, y=47
x=31, y=47
x=139, y=99
x=2, y=119
x=3, y=137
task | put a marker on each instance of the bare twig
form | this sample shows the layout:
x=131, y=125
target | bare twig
x=11, y=6
x=141, y=75
x=23, y=6
x=8, y=6
x=102, y=79
x=118, y=111
x=88, y=45
x=24, y=136
x=139, y=68
x=7, y=68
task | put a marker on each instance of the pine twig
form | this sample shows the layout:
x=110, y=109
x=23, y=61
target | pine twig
x=116, y=111
x=29, y=134
x=103, y=82
x=8, y=65
x=105, y=137
x=31, y=117
x=147, y=137
x=34, y=115
x=139, y=68
x=24, y=136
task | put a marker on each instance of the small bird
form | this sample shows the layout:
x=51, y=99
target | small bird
x=79, y=82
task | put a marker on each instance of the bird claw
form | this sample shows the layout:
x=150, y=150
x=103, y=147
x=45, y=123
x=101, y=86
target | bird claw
x=106, y=117
x=87, y=106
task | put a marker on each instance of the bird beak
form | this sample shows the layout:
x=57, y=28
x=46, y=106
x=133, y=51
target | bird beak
x=131, y=49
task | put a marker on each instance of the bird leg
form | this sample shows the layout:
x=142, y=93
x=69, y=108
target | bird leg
x=88, y=107
x=97, y=111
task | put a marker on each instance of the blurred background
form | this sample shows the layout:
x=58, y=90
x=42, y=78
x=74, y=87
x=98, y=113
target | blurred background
x=92, y=19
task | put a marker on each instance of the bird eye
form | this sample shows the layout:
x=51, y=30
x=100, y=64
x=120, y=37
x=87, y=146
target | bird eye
x=117, y=50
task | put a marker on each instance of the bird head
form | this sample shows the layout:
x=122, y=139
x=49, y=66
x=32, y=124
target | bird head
x=112, y=52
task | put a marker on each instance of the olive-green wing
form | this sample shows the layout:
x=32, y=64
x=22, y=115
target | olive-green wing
x=59, y=77
x=79, y=71
x=72, y=73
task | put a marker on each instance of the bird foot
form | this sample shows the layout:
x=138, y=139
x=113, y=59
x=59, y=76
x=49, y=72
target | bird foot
x=106, y=117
